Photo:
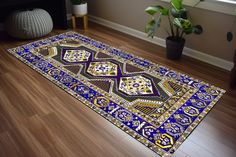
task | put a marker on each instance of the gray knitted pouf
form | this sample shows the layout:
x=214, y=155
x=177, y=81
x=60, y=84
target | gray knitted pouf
x=29, y=24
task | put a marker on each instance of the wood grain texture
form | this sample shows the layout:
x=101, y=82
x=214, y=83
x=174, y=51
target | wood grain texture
x=38, y=119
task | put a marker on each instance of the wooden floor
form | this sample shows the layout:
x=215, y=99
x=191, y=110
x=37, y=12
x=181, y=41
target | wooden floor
x=38, y=119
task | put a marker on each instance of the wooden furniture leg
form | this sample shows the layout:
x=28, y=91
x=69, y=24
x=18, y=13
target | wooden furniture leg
x=73, y=19
x=233, y=73
x=85, y=21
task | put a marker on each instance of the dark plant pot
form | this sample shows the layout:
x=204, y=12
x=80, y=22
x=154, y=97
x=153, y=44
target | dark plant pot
x=174, y=47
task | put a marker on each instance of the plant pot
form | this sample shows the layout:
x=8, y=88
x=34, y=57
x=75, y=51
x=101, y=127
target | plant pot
x=174, y=48
x=80, y=10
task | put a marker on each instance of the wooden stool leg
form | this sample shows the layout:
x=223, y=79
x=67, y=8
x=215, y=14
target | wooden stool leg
x=73, y=22
x=85, y=21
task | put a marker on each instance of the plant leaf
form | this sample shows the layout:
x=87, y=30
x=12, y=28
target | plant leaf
x=177, y=22
x=152, y=10
x=152, y=27
x=179, y=13
x=165, y=11
x=183, y=24
x=177, y=4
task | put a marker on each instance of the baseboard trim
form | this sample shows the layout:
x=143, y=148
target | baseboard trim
x=127, y=30
x=218, y=62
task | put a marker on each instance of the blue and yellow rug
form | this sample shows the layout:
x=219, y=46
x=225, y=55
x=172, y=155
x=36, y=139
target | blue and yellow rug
x=156, y=105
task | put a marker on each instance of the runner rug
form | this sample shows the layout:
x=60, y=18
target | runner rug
x=154, y=104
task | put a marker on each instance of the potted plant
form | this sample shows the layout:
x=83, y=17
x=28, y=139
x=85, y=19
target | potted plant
x=79, y=7
x=179, y=25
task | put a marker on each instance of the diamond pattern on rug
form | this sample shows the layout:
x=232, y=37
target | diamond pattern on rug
x=102, y=69
x=135, y=85
x=76, y=56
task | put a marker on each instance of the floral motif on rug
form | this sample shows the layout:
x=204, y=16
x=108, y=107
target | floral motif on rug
x=154, y=104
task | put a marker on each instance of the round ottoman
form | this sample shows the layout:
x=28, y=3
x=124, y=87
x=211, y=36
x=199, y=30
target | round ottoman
x=29, y=24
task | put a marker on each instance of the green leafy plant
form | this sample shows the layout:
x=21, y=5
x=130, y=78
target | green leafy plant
x=177, y=17
x=78, y=2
